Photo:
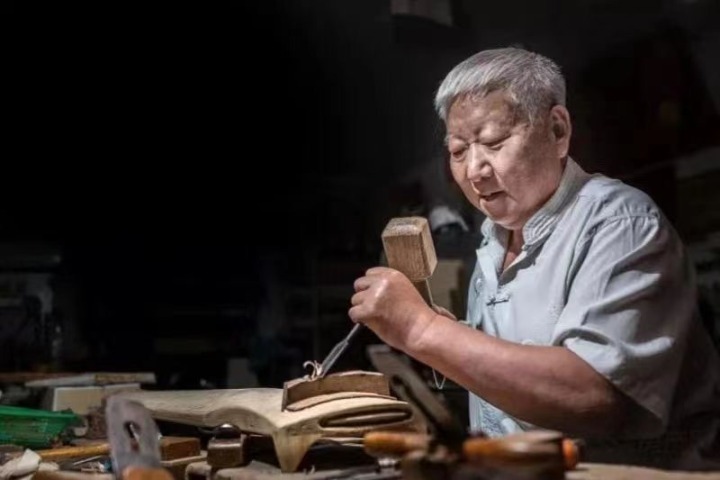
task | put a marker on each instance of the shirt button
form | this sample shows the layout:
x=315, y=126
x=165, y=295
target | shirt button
x=527, y=341
x=478, y=282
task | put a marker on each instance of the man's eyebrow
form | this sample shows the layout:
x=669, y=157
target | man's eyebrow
x=446, y=140
x=494, y=135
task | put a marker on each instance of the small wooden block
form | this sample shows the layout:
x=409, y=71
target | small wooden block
x=172, y=448
x=227, y=452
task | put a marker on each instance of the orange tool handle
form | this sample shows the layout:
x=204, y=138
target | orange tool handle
x=142, y=473
x=571, y=453
x=515, y=449
x=518, y=451
x=395, y=444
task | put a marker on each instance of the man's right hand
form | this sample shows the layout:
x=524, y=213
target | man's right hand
x=387, y=302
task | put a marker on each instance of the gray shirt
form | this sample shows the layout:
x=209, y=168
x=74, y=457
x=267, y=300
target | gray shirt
x=604, y=274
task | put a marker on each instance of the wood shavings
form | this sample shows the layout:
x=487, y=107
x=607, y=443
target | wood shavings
x=316, y=369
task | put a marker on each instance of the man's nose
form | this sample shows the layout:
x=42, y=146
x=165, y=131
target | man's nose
x=478, y=165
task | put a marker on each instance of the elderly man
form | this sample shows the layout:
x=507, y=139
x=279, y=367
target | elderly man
x=581, y=306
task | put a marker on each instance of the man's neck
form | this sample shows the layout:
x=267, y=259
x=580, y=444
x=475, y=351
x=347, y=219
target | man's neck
x=514, y=246
x=515, y=241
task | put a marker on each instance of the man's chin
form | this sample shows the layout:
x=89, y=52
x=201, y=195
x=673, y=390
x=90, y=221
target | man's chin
x=504, y=221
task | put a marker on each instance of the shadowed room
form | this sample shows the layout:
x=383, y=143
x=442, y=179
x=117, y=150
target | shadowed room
x=195, y=192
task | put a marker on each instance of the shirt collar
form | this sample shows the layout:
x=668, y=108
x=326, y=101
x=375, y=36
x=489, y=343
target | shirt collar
x=543, y=222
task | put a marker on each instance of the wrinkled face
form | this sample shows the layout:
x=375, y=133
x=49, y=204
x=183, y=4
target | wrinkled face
x=504, y=166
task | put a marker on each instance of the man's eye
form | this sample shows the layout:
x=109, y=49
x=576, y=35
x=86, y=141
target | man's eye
x=458, y=153
x=495, y=146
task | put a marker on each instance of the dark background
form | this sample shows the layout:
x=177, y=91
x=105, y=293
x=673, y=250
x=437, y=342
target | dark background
x=194, y=182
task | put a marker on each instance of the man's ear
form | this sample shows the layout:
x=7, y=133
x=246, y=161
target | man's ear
x=561, y=129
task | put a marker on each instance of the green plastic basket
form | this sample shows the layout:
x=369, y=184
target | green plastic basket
x=33, y=428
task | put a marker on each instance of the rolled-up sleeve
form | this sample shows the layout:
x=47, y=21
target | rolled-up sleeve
x=630, y=302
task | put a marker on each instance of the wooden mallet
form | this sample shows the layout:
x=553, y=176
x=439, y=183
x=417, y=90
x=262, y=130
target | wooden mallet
x=409, y=249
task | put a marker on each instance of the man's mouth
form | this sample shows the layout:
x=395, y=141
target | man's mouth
x=490, y=196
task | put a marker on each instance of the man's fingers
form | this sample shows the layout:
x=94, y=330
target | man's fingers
x=355, y=313
x=379, y=271
x=362, y=283
x=357, y=298
x=372, y=276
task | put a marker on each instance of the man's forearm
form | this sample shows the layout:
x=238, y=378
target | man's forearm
x=548, y=386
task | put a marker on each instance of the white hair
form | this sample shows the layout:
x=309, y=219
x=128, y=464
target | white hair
x=532, y=82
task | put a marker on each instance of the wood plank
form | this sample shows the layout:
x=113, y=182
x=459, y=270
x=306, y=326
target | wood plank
x=92, y=378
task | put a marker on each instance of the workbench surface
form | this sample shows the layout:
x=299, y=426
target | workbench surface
x=585, y=471
x=261, y=471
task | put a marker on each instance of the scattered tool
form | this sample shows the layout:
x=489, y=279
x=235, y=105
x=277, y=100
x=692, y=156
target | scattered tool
x=409, y=249
x=135, y=457
x=66, y=453
x=449, y=452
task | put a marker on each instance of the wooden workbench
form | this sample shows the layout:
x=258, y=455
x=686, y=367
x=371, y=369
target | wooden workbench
x=262, y=471
x=585, y=471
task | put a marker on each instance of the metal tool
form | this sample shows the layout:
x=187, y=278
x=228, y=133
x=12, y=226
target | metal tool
x=337, y=350
x=134, y=441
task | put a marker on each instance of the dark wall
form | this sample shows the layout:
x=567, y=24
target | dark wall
x=169, y=149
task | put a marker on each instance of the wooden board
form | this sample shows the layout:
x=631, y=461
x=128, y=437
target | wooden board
x=82, y=400
x=92, y=378
x=259, y=411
